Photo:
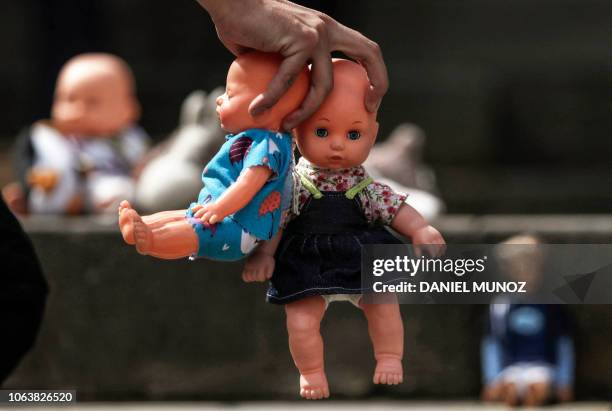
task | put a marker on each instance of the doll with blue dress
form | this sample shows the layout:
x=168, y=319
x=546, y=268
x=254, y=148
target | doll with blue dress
x=245, y=186
x=338, y=208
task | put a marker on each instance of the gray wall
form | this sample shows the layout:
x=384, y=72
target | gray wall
x=515, y=96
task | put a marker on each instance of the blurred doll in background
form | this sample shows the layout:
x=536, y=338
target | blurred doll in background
x=527, y=353
x=338, y=208
x=81, y=160
x=398, y=162
x=245, y=188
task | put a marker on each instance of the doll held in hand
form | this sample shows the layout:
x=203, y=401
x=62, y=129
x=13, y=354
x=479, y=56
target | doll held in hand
x=339, y=209
x=245, y=185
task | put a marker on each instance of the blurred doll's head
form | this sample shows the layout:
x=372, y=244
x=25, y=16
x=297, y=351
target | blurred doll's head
x=248, y=77
x=521, y=258
x=341, y=132
x=94, y=96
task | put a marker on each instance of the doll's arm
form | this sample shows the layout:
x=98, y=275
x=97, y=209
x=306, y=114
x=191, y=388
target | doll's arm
x=259, y=266
x=410, y=223
x=491, y=354
x=564, y=375
x=236, y=196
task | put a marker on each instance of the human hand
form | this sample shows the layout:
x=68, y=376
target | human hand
x=301, y=35
x=210, y=213
x=259, y=267
x=43, y=178
x=427, y=240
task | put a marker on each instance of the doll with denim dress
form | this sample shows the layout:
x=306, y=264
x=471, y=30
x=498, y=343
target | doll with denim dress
x=245, y=185
x=338, y=209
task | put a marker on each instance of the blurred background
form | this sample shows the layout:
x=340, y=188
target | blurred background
x=514, y=96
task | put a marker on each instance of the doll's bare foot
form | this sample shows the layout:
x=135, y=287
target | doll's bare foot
x=388, y=371
x=126, y=217
x=143, y=236
x=313, y=386
x=510, y=395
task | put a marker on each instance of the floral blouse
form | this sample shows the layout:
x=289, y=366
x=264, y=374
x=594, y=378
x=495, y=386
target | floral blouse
x=379, y=202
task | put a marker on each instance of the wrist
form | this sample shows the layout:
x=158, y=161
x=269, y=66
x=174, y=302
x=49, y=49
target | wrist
x=220, y=9
x=262, y=251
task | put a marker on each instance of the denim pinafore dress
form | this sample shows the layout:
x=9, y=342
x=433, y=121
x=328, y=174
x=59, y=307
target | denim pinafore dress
x=320, y=250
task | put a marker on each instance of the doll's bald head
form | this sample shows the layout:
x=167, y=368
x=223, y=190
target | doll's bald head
x=248, y=77
x=95, y=96
x=342, y=131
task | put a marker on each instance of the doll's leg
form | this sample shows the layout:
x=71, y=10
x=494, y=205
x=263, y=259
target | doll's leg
x=537, y=394
x=166, y=238
x=387, y=334
x=154, y=220
x=510, y=394
x=306, y=345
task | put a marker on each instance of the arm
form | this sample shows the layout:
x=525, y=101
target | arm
x=564, y=373
x=301, y=35
x=492, y=355
x=410, y=223
x=236, y=196
x=492, y=359
x=259, y=266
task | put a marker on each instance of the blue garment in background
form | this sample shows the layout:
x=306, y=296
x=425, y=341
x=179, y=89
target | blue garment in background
x=528, y=333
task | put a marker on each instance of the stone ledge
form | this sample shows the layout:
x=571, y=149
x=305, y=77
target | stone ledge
x=454, y=226
x=122, y=326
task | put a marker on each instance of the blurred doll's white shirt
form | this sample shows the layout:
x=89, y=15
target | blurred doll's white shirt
x=98, y=169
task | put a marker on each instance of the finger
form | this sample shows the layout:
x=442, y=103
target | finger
x=199, y=213
x=284, y=78
x=255, y=274
x=260, y=276
x=213, y=219
x=206, y=216
x=369, y=55
x=417, y=250
x=321, y=83
x=248, y=275
x=441, y=249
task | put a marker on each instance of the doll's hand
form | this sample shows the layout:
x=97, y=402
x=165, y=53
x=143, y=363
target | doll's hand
x=259, y=266
x=210, y=213
x=300, y=34
x=428, y=241
x=43, y=178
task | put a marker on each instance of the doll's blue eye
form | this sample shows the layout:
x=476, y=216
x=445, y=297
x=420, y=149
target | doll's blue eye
x=321, y=132
x=353, y=135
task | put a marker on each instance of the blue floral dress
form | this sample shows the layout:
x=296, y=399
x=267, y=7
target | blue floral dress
x=236, y=236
